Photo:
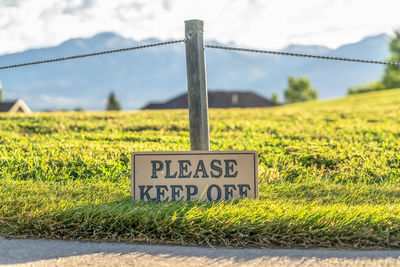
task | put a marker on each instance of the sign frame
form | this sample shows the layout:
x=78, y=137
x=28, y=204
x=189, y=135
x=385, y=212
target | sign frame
x=198, y=152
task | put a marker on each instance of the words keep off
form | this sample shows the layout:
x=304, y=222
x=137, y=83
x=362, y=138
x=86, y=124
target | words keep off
x=204, y=175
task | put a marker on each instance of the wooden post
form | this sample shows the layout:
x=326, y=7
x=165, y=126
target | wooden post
x=197, y=85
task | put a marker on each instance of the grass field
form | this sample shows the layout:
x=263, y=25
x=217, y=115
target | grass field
x=329, y=176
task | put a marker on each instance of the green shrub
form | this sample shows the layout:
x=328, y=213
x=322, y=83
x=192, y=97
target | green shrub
x=370, y=87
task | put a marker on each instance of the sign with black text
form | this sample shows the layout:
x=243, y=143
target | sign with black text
x=194, y=175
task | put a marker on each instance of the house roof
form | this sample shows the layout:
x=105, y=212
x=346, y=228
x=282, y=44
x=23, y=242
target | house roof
x=6, y=106
x=218, y=99
x=14, y=106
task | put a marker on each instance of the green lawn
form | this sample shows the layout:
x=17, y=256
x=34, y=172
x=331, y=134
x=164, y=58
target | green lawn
x=329, y=176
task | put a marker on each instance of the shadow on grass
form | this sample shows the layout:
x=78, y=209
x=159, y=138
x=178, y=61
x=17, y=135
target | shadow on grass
x=244, y=223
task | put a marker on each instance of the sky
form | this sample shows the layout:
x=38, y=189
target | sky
x=264, y=24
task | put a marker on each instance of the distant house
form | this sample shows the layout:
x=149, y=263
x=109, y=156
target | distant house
x=17, y=106
x=218, y=99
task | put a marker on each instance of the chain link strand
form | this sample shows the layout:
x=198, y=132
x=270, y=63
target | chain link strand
x=303, y=55
x=89, y=55
x=208, y=46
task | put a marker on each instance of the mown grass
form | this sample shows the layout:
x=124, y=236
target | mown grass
x=329, y=176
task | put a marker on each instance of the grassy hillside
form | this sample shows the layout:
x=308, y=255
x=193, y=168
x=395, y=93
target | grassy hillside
x=329, y=175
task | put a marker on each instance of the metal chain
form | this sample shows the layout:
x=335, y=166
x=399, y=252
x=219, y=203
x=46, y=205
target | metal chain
x=303, y=55
x=89, y=55
x=208, y=46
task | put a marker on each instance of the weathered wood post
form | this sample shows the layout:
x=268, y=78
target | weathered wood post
x=197, y=85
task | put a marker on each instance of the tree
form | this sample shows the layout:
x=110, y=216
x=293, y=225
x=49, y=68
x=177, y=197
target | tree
x=275, y=98
x=391, y=78
x=113, y=103
x=299, y=90
x=1, y=92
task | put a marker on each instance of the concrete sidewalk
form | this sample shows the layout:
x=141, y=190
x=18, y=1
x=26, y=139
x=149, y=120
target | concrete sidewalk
x=71, y=253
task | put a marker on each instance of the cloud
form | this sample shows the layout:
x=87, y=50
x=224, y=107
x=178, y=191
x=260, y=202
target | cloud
x=74, y=7
x=167, y=4
x=129, y=12
x=9, y=3
x=57, y=100
x=269, y=24
x=37, y=102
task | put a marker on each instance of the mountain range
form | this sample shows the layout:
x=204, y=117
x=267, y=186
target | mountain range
x=157, y=74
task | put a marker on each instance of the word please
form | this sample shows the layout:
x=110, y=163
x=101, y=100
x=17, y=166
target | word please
x=177, y=192
x=186, y=169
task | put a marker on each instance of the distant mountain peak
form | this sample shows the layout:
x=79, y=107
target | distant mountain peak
x=106, y=35
x=382, y=36
x=307, y=49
